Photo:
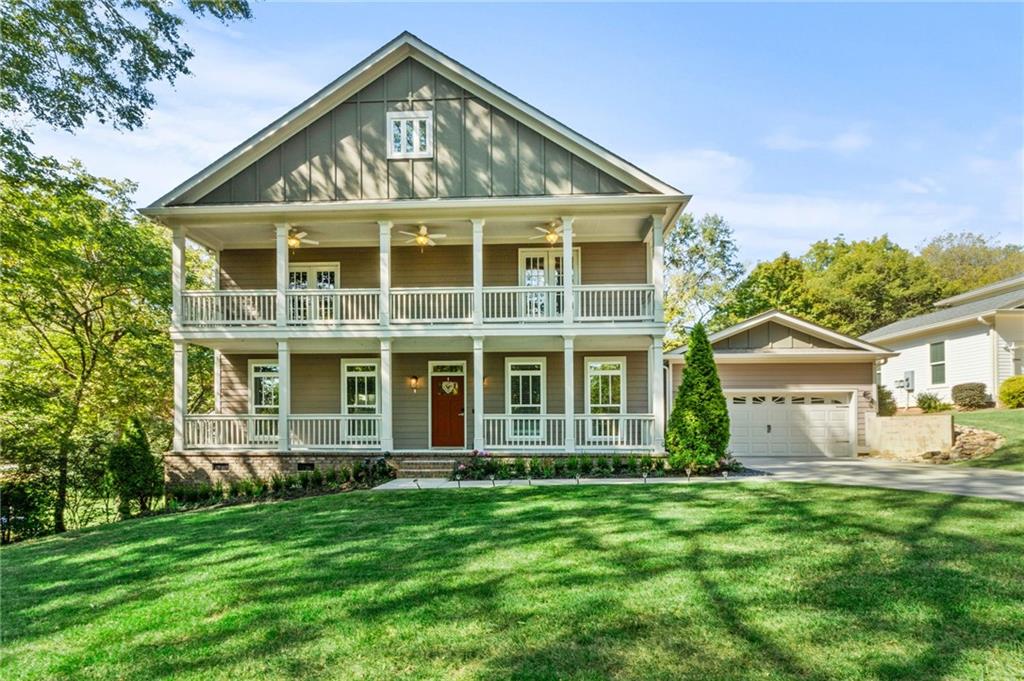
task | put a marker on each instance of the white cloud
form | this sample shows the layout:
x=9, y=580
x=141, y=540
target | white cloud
x=922, y=185
x=843, y=142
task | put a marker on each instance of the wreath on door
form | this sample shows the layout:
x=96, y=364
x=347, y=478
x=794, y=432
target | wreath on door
x=450, y=387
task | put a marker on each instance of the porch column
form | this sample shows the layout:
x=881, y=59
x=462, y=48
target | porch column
x=284, y=395
x=387, y=438
x=478, y=393
x=180, y=394
x=658, y=267
x=216, y=381
x=567, y=270
x=282, y=274
x=570, y=393
x=478, y=272
x=385, y=272
x=656, y=379
x=177, y=273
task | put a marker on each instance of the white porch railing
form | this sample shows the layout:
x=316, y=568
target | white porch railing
x=334, y=431
x=431, y=305
x=523, y=432
x=334, y=306
x=199, y=308
x=614, y=302
x=596, y=432
x=231, y=431
x=522, y=303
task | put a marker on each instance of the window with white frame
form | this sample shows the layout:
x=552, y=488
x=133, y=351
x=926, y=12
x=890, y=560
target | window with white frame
x=410, y=134
x=264, y=387
x=359, y=387
x=525, y=384
x=937, y=359
x=606, y=385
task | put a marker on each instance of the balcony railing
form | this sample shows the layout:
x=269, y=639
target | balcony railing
x=334, y=306
x=260, y=431
x=228, y=308
x=439, y=305
x=431, y=305
x=522, y=432
x=599, y=432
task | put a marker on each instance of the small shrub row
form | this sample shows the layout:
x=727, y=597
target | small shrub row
x=367, y=473
x=930, y=403
x=483, y=466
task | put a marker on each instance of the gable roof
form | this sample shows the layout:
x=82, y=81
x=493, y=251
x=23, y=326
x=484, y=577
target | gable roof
x=948, y=316
x=377, y=64
x=841, y=344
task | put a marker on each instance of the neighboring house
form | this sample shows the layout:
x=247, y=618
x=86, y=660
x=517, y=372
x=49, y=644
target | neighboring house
x=793, y=388
x=975, y=337
x=414, y=261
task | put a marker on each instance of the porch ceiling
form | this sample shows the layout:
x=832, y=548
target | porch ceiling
x=586, y=228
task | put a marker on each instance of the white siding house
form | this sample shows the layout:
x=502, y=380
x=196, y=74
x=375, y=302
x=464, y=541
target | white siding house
x=975, y=337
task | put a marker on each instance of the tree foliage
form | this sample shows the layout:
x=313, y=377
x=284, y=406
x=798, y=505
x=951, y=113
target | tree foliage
x=136, y=474
x=697, y=437
x=967, y=260
x=84, y=306
x=702, y=266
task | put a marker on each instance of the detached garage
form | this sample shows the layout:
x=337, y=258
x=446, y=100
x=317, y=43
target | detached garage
x=794, y=389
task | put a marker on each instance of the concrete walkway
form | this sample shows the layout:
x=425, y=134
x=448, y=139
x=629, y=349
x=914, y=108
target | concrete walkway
x=973, y=482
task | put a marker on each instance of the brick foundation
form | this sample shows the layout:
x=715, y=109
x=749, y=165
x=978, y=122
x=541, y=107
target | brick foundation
x=197, y=467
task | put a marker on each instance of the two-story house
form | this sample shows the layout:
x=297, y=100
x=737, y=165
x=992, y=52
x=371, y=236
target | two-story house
x=414, y=261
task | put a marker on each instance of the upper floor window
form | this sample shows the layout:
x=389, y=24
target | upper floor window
x=410, y=134
x=937, y=358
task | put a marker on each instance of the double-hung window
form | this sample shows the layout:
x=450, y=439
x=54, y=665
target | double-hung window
x=525, y=381
x=606, y=394
x=410, y=134
x=264, y=399
x=360, y=385
x=937, y=359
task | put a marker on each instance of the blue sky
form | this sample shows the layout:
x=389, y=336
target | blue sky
x=795, y=122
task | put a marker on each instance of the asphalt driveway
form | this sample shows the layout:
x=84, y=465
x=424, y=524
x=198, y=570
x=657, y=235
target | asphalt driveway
x=972, y=482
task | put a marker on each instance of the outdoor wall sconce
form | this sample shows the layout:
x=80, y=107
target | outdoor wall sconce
x=415, y=383
x=487, y=382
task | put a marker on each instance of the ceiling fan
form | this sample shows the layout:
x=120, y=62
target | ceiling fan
x=422, y=237
x=297, y=237
x=551, y=233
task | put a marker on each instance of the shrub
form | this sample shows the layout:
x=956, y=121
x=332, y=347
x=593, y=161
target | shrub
x=970, y=395
x=24, y=507
x=519, y=468
x=632, y=465
x=604, y=467
x=1011, y=392
x=277, y=484
x=697, y=436
x=930, y=403
x=646, y=463
x=886, y=402
x=136, y=474
x=616, y=464
x=316, y=478
x=586, y=465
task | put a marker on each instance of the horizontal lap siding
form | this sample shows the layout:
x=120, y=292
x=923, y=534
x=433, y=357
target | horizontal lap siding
x=968, y=360
x=255, y=268
x=478, y=151
x=316, y=382
x=410, y=415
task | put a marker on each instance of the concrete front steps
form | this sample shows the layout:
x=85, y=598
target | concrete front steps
x=415, y=467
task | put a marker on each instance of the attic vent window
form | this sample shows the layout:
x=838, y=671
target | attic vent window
x=410, y=134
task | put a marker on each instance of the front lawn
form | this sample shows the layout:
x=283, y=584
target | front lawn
x=719, y=581
x=1007, y=422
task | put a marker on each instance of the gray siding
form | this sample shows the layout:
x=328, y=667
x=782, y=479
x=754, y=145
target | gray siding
x=478, y=151
x=603, y=263
x=772, y=336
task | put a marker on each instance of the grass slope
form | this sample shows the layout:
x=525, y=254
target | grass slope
x=1007, y=422
x=729, y=581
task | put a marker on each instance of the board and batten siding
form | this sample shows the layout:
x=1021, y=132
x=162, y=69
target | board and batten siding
x=771, y=336
x=478, y=151
x=968, y=360
x=602, y=263
x=835, y=376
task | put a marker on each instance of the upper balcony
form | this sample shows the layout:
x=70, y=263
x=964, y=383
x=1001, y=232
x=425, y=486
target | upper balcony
x=449, y=277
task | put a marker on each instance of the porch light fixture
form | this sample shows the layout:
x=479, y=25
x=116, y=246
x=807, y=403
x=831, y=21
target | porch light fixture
x=414, y=383
x=551, y=238
x=293, y=241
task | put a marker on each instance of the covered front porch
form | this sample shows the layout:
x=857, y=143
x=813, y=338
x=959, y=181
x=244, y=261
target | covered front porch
x=428, y=395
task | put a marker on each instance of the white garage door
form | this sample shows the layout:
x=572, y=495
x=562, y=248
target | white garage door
x=767, y=424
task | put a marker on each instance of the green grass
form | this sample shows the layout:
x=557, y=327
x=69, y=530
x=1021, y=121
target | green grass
x=1007, y=422
x=718, y=581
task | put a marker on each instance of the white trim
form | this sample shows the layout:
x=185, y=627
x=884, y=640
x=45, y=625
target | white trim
x=587, y=374
x=249, y=398
x=430, y=402
x=357, y=361
x=312, y=268
x=932, y=364
x=851, y=403
x=983, y=292
x=935, y=326
x=543, y=361
x=362, y=74
x=549, y=255
x=405, y=118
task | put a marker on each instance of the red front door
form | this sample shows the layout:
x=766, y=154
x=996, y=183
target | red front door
x=447, y=411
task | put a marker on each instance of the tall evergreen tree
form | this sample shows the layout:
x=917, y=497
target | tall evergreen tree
x=136, y=473
x=697, y=437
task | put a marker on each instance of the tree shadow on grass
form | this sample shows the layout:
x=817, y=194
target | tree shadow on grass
x=588, y=582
